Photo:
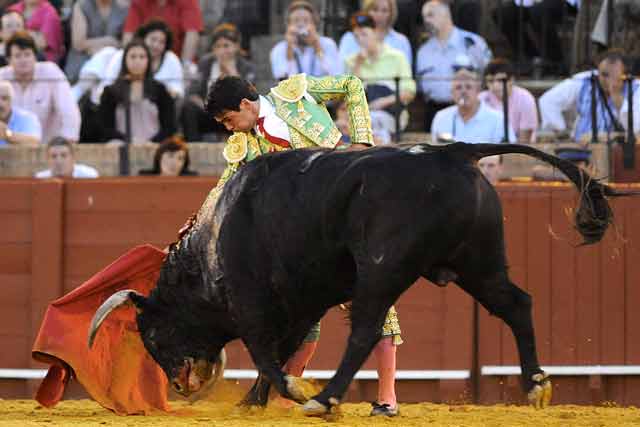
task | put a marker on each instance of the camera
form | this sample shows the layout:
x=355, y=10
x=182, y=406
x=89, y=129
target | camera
x=301, y=37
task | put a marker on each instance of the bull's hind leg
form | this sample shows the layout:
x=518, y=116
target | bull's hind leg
x=511, y=304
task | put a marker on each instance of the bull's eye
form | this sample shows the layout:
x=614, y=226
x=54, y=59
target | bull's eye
x=177, y=386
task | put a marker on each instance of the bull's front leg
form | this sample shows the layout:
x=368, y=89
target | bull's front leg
x=258, y=395
x=367, y=318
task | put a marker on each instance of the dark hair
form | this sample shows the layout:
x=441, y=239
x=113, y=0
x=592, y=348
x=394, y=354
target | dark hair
x=306, y=5
x=225, y=30
x=171, y=144
x=499, y=65
x=226, y=93
x=23, y=40
x=156, y=25
x=60, y=141
x=611, y=55
x=124, y=69
x=361, y=20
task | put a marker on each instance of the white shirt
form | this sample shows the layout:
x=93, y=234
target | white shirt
x=273, y=124
x=310, y=63
x=435, y=60
x=486, y=126
x=79, y=171
x=564, y=97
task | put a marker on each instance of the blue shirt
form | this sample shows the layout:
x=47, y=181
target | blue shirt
x=349, y=45
x=435, y=60
x=486, y=126
x=23, y=121
x=306, y=60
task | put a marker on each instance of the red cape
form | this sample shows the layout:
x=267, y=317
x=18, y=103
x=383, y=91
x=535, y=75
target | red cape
x=117, y=372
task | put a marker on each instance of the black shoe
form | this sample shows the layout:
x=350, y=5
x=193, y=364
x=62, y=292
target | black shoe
x=383, y=409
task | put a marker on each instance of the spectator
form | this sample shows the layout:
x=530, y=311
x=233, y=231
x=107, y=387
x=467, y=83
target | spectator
x=94, y=24
x=377, y=65
x=542, y=16
x=62, y=163
x=41, y=88
x=491, y=168
x=11, y=22
x=104, y=67
x=436, y=57
x=384, y=14
x=171, y=159
x=574, y=94
x=183, y=17
x=468, y=120
x=165, y=65
x=17, y=126
x=224, y=59
x=303, y=50
x=43, y=22
x=523, y=113
x=151, y=107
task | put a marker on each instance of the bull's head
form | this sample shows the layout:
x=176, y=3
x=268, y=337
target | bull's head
x=189, y=359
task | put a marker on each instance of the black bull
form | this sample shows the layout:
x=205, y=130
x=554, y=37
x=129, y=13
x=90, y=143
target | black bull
x=305, y=230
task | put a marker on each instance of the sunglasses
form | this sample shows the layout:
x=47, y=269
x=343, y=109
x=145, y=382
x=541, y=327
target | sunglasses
x=457, y=68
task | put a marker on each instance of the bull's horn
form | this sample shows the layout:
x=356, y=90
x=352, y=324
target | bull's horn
x=120, y=298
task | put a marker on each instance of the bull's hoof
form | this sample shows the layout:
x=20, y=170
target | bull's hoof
x=540, y=395
x=300, y=390
x=330, y=412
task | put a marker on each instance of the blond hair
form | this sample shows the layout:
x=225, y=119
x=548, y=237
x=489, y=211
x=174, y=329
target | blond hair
x=367, y=5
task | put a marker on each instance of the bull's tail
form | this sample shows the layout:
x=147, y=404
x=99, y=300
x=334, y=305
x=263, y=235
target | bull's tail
x=593, y=214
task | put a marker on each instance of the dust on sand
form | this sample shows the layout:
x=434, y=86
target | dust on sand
x=219, y=409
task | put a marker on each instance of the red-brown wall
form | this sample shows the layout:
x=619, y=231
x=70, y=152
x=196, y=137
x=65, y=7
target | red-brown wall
x=55, y=234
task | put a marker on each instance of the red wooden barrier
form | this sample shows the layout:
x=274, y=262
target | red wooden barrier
x=55, y=234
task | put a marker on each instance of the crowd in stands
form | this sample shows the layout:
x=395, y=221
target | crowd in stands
x=138, y=71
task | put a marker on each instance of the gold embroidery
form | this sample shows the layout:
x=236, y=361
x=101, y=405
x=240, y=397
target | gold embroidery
x=236, y=148
x=291, y=89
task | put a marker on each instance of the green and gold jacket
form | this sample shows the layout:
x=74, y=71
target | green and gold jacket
x=300, y=102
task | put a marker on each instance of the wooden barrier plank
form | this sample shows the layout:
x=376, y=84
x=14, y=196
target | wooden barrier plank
x=612, y=295
x=114, y=228
x=588, y=338
x=631, y=236
x=150, y=194
x=15, y=289
x=47, y=253
x=538, y=268
x=16, y=349
x=15, y=258
x=16, y=195
x=15, y=227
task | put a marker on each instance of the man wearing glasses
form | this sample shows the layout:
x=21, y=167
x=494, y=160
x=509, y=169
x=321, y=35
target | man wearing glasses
x=468, y=120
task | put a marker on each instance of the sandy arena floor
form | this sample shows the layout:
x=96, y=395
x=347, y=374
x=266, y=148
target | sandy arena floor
x=87, y=413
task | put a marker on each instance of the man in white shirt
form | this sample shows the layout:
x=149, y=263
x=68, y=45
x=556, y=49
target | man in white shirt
x=611, y=98
x=468, y=120
x=437, y=57
x=62, y=163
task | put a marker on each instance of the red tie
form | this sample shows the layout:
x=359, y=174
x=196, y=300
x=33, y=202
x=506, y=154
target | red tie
x=272, y=139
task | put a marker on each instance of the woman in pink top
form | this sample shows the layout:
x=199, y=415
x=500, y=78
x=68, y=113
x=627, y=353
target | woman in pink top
x=43, y=22
x=523, y=113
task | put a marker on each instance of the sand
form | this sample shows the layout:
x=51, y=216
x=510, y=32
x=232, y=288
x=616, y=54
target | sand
x=209, y=413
